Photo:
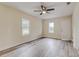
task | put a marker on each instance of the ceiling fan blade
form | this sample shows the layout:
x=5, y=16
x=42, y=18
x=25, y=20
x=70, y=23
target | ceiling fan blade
x=42, y=7
x=40, y=13
x=68, y=3
x=37, y=10
x=50, y=9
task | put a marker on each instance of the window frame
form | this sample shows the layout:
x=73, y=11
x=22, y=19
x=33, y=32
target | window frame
x=53, y=24
x=25, y=27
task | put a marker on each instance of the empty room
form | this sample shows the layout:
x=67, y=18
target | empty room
x=39, y=29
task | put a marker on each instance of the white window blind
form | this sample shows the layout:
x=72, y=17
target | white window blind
x=25, y=26
x=51, y=27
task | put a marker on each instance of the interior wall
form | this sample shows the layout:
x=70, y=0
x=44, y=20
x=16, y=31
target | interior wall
x=10, y=27
x=62, y=28
x=75, y=24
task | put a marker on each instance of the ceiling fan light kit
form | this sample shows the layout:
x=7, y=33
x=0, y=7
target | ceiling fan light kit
x=44, y=12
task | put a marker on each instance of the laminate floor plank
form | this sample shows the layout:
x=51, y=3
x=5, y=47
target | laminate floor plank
x=45, y=47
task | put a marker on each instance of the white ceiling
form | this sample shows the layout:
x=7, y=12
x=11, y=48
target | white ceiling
x=61, y=8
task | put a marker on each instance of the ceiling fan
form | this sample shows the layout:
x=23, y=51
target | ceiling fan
x=44, y=10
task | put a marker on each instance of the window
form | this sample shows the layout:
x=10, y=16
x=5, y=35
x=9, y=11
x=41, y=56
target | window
x=25, y=26
x=51, y=27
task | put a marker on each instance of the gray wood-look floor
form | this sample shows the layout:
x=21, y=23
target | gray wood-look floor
x=45, y=47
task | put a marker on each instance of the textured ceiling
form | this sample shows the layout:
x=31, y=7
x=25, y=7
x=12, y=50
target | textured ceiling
x=61, y=8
